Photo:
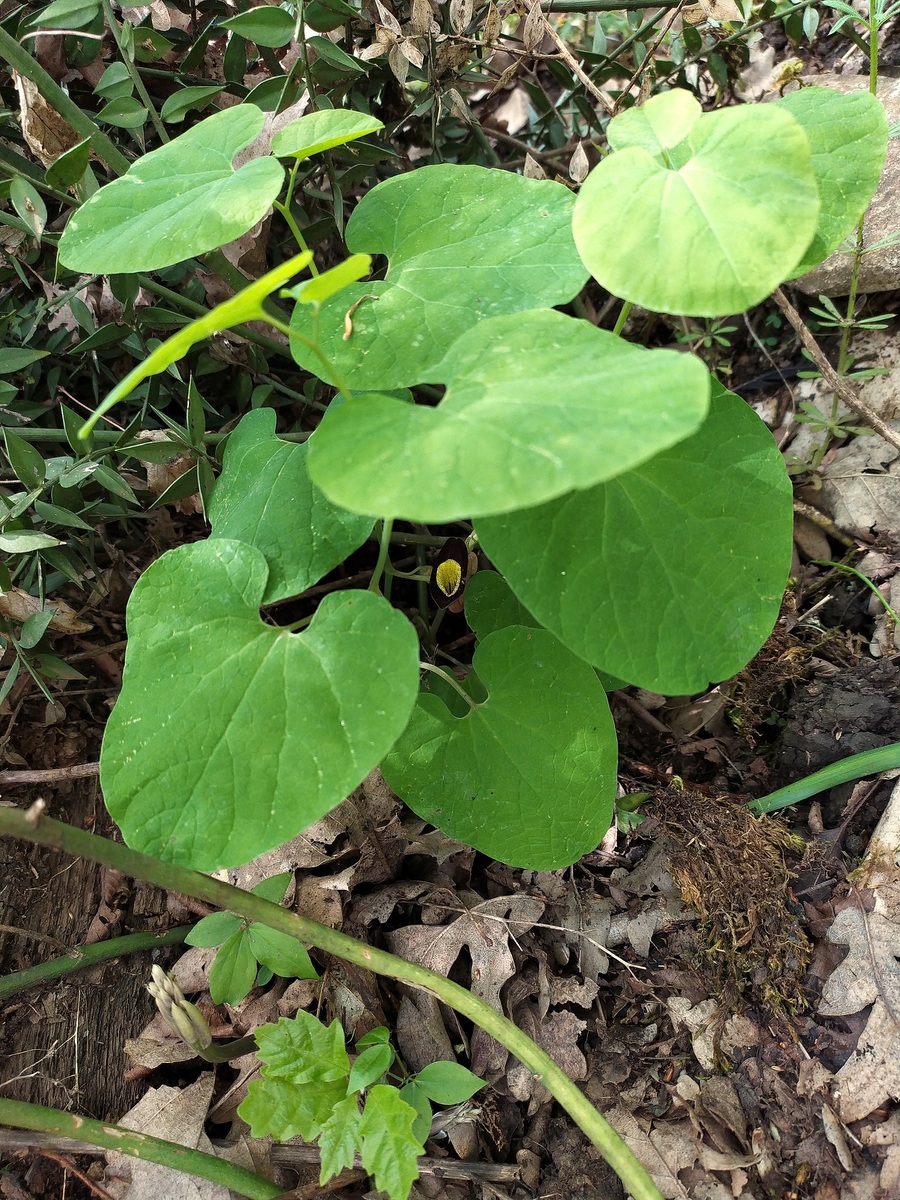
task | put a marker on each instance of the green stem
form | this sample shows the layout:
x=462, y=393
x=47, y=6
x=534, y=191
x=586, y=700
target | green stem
x=20, y=60
x=622, y=318
x=381, y=561
x=320, y=354
x=448, y=678
x=295, y=230
x=88, y=956
x=139, y=1145
x=822, y=562
x=869, y=762
x=254, y=908
x=131, y=68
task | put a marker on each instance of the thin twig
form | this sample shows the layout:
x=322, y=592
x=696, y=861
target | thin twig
x=842, y=387
x=68, y=1165
x=578, y=70
x=448, y=1168
x=51, y=775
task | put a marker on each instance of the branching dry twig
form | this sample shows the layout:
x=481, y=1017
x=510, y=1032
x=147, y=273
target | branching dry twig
x=842, y=387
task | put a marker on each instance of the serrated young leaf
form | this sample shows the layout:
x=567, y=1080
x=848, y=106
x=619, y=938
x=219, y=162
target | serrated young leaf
x=339, y=1140
x=448, y=1082
x=233, y=971
x=416, y=1099
x=213, y=930
x=274, y=888
x=389, y=1149
x=280, y=953
x=282, y=1109
x=303, y=1049
x=370, y=1065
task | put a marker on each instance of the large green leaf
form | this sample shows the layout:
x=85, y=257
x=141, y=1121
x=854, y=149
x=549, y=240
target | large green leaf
x=537, y=403
x=265, y=497
x=705, y=226
x=848, y=136
x=668, y=576
x=464, y=243
x=230, y=736
x=176, y=202
x=529, y=775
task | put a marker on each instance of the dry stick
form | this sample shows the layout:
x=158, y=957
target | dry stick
x=66, y=1165
x=444, y=1168
x=843, y=387
x=52, y=775
x=33, y=826
x=578, y=70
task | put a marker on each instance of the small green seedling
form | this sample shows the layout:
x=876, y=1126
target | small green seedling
x=250, y=953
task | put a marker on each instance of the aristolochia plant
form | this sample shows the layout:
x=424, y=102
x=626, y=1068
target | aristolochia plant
x=637, y=514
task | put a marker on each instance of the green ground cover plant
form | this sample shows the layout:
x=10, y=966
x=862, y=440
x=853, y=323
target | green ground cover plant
x=637, y=515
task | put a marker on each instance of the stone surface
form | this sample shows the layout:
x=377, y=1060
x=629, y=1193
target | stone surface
x=881, y=269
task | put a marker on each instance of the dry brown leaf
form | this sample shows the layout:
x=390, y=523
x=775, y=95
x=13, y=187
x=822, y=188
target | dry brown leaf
x=17, y=605
x=177, y=1116
x=484, y=929
x=48, y=135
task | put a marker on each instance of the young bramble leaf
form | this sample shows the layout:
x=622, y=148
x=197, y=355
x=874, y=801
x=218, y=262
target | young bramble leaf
x=559, y=403
x=209, y=766
x=266, y=498
x=370, y=1065
x=375, y=1037
x=176, y=202
x=529, y=775
x=303, y=1049
x=730, y=209
x=280, y=953
x=213, y=930
x=233, y=972
x=464, y=243
x=318, y=131
x=695, y=596
x=389, y=1149
x=283, y=1109
x=339, y=1140
x=448, y=1082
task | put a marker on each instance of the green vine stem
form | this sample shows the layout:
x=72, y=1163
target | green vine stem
x=869, y=762
x=89, y=956
x=139, y=1145
x=36, y=828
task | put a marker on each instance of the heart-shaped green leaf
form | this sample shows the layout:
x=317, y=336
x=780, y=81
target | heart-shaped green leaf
x=528, y=776
x=464, y=243
x=848, y=136
x=537, y=403
x=230, y=736
x=265, y=497
x=178, y=201
x=728, y=211
x=668, y=576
